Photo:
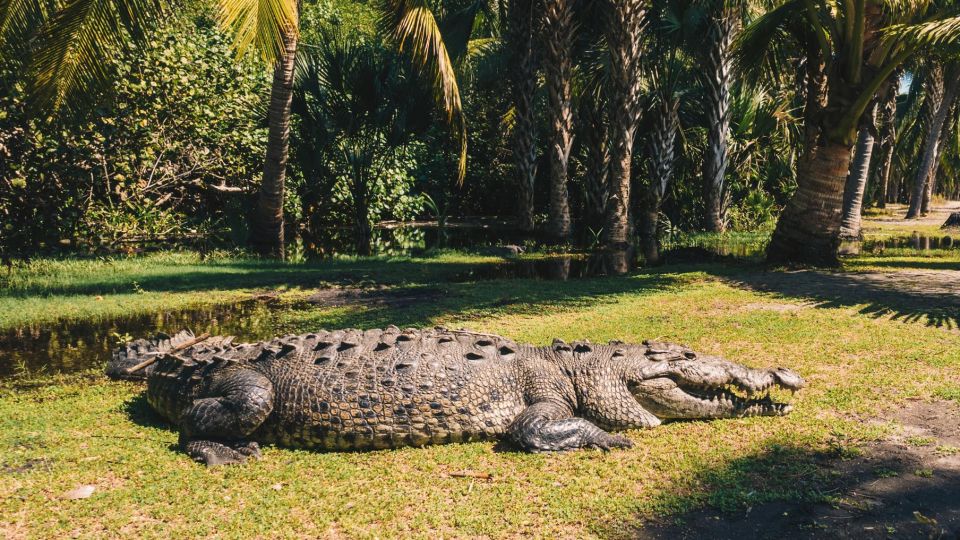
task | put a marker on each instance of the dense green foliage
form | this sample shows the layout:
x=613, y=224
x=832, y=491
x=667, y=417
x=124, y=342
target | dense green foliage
x=182, y=120
x=174, y=150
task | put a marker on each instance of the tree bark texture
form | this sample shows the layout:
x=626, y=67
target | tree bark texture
x=717, y=76
x=268, y=234
x=857, y=180
x=559, y=29
x=523, y=71
x=808, y=229
x=624, y=35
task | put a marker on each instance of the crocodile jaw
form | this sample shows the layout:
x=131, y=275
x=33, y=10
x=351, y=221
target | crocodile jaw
x=668, y=399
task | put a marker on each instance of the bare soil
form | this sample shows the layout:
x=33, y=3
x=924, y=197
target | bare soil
x=907, y=486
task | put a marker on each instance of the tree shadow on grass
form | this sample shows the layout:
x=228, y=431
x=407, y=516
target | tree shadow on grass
x=927, y=296
x=484, y=299
x=793, y=492
x=214, y=276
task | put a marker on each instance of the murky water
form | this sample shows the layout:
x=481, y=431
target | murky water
x=74, y=346
x=555, y=268
x=918, y=242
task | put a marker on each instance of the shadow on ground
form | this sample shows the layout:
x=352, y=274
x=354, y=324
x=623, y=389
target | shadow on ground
x=907, y=486
x=928, y=296
x=213, y=276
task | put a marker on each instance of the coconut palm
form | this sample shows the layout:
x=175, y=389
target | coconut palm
x=945, y=134
x=857, y=178
x=942, y=88
x=887, y=124
x=268, y=231
x=863, y=42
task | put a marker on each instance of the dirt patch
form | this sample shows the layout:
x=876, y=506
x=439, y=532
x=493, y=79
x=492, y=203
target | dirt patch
x=380, y=296
x=907, y=486
x=775, y=307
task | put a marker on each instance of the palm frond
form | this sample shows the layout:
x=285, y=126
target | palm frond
x=755, y=51
x=412, y=26
x=18, y=19
x=944, y=32
x=71, y=46
x=259, y=25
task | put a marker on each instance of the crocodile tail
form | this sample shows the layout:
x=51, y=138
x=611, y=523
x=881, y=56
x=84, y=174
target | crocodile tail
x=128, y=356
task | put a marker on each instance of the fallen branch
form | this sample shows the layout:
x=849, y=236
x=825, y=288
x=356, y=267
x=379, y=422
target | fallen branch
x=470, y=474
x=150, y=361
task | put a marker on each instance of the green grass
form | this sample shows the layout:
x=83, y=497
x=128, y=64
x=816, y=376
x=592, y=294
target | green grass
x=68, y=431
x=65, y=431
x=48, y=290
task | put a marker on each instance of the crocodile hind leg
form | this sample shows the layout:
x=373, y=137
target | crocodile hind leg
x=215, y=428
x=551, y=427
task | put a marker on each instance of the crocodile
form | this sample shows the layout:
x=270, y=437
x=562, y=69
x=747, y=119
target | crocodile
x=379, y=389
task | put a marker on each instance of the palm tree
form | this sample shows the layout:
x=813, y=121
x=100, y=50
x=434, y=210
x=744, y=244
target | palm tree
x=625, y=20
x=358, y=107
x=863, y=42
x=522, y=16
x=558, y=36
x=942, y=90
x=887, y=122
x=662, y=143
x=945, y=133
x=68, y=42
x=268, y=235
x=723, y=19
x=857, y=179
x=415, y=30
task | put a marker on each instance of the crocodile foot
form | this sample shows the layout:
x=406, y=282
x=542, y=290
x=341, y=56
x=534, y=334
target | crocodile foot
x=214, y=454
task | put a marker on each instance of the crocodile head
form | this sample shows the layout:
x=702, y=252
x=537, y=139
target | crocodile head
x=673, y=382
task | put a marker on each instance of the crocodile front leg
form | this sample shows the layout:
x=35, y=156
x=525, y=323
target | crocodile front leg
x=214, y=428
x=549, y=426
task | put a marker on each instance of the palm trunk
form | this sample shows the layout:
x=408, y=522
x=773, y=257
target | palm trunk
x=857, y=184
x=597, y=161
x=932, y=141
x=268, y=231
x=808, y=229
x=888, y=138
x=717, y=78
x=662, y=159
x=623, y=34
x=815, y=99
x=559, y=35
x=931, y=186
x=524, y=87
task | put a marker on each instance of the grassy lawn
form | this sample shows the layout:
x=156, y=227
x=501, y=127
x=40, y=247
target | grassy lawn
x=48, y=290
x=66, y=431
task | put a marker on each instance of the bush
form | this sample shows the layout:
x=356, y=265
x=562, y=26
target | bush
x=180, y=131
